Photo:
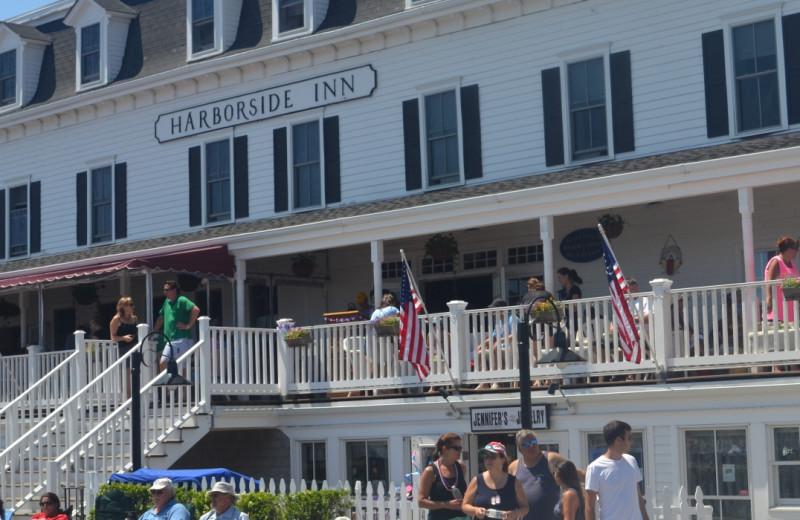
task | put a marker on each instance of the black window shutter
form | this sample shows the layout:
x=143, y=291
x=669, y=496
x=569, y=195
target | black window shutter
x=241, y=191
x=120, y=201
x=35, y=211
x=715, y=88
x=553, y=124
x=333, y=181
x=195, y=187
x=471, y=122
x=622, y=102
x=281, y=169
x=2, y=223
x=413, y=154
x=791, y=56
x=81, y=196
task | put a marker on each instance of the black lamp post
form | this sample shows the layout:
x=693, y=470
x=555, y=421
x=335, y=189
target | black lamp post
x=558, y=355
x=173, y=379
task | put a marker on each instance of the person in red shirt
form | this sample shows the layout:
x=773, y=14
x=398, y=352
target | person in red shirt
x=50, y=507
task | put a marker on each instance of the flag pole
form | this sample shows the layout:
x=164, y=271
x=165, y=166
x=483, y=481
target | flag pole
x=436, y=342
x=646, y=345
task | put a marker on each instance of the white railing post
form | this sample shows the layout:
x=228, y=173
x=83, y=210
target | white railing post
x=458, y=335
x=662, y=348
x=277, y=343
x=81, y=370
x=203, y=372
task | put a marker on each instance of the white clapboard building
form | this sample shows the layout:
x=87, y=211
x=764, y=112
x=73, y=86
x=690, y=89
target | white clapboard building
x=221, y=142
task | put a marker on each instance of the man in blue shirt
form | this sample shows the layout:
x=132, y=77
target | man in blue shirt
x=164, y=505
x=223, y=497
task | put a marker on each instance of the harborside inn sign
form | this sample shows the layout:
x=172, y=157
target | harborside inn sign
x=265, y=104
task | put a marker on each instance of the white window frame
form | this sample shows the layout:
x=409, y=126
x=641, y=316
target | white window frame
x=346, y=464
x=300, y=444
x=8, y=186
x=748, y=17
x=603, y=51
x=204, y=178
x=317, y=116
x=775, y=500
x=308, y=22
x=423, y=91
x=711, y=499
x=217, y=48
x=103, y=72
x=17, y=77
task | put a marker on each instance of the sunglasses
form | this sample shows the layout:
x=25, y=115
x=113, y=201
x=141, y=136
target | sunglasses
x=457, y=448
x=490, y=456
x=42, y=504
x=156, y=491
x=528, y=444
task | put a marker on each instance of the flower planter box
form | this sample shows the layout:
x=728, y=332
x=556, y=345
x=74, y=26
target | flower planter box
x=387, y=330
x=791, y=293
x=613, y=230
x=550, y=316
x=302, y=341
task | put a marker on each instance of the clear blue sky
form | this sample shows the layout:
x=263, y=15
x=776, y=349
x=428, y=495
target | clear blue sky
x=12, y=8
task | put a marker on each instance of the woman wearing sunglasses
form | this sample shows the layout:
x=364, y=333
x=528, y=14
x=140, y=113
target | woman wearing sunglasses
x=442, y=484
x=494, y=493
x=50, y=507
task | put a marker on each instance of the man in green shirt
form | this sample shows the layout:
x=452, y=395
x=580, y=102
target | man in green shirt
x=178, y=315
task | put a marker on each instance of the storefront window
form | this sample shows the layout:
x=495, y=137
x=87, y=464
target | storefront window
x=597, y=446
x=368, y=461
x=786, y=465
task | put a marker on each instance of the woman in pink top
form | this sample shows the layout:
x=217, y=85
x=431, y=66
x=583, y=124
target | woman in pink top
x=781, y=266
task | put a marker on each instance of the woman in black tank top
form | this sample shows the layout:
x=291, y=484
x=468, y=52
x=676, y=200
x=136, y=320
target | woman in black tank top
x=123, y=331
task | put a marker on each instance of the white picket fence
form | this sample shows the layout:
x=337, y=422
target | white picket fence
x=382, y=503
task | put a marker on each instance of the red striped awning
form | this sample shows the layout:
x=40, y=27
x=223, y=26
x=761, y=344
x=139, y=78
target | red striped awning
x=214, y=261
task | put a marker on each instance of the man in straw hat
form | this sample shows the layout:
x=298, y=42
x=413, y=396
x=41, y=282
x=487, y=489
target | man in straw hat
x=164, y=505
x=223, y=497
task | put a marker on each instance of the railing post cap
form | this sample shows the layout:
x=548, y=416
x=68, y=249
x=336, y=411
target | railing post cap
x=457, y=305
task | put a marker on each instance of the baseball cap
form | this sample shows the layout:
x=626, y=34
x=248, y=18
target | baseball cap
x=162, y=483
x=494, y=447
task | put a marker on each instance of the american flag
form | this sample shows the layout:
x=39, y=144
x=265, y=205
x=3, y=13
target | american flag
x=626, y=327
x=412, y=346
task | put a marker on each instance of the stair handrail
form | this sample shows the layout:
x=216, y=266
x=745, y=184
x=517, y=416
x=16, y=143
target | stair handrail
x=34, y=444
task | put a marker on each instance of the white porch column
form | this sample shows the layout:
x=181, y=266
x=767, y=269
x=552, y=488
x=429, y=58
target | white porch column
x=40, y=339
x=746, y=210
x=22, y=300
x=459, y=337
x=546, y=232
x=662, y=348
x=124, y=284
x=376, y=254
x=148, y=290
x=240, y=277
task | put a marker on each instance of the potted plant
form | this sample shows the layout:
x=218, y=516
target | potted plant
x=791, y=288
x=546, y=311
x=297, y=338
x=612, y=224
x=441, y=247
x=303, y=264
x=388, y=327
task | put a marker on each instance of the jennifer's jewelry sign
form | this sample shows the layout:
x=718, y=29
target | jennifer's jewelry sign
x=506, y=418
x=265, y=104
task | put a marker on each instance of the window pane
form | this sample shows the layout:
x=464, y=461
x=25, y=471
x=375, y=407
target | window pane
x=8, y=77
x=290, y=15
x=18, y=220
x=441, y=129
x=307, y=176
x=218, y=181
x=101, y=204
x=587, y=109
x=90, y=53
x=202, y=25
x=787, y=444
x=368, y=461
x=313, y=462
x=755, y=66
x=701, y=461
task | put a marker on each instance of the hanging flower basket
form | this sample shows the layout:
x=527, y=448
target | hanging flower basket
x=188, y=282
x=303, y=264
x=612, y=224
x=302, y=341
x=84, y=294
x=441, y=247
x=546, y=311
x=791, y=293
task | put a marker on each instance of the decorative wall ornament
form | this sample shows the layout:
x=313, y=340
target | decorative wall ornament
x=671, y=256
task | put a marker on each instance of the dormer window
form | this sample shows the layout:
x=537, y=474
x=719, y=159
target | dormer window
x=290, y=15
x=211, y=26
x=90, y=54
x=8, y=78
x=21, y=52
x=101, y=34
x=202, y=25
x=297, y=17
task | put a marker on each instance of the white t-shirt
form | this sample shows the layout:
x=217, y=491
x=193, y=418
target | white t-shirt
x=615, y=483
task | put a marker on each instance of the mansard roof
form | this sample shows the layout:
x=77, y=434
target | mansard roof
x=594, y=171
x=157, y=38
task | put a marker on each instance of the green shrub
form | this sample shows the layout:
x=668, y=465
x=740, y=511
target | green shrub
x=303, y=505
